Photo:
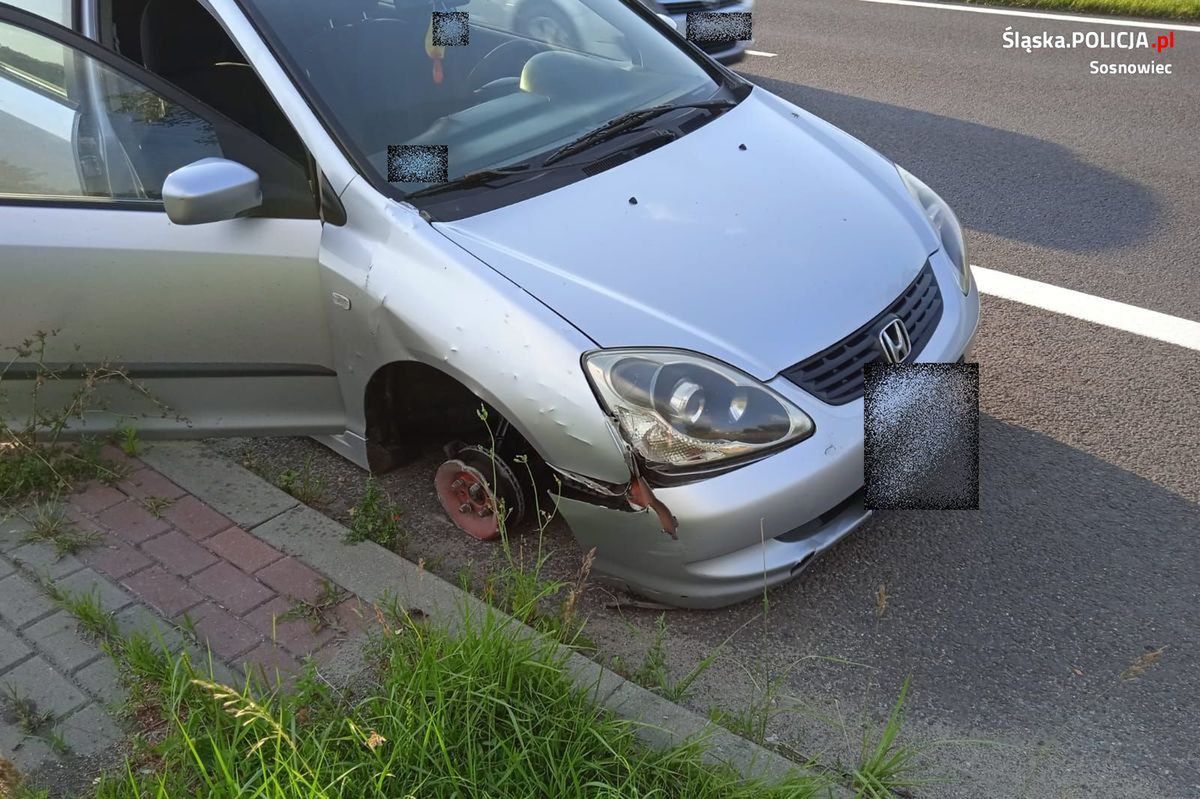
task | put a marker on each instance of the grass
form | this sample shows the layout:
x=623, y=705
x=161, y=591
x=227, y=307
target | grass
x=95, y=621
x=304, y=484
x=33, y=722
x=376, y=518
x=479, y=713
x=654, y=675
x=129, y=441
x=32, y=471
x=320, y=613
x=1164, y=9
x=50, y=524
x=36, y=462
x=888, y=768
x=516, y=582
x=157, y=506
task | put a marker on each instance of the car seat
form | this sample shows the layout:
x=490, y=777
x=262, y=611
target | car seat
x=184, y=44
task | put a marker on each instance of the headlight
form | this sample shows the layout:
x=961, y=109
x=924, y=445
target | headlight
x=682, y=411
x=945, y=223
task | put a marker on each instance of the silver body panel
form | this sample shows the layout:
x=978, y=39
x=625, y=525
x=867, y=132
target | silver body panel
x=801, y=228
x=759, y=257
x=223, y=323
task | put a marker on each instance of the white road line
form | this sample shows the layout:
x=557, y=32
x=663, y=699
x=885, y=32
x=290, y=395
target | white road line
x=1118, y=315
x=1166, y=24
x=761, y=53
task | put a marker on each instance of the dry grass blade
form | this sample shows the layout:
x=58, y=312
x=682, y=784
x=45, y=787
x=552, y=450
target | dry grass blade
x=1143, y=663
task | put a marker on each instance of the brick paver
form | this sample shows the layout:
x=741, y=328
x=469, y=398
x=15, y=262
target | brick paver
x=87, y=582
x=190, y=564
x=296, y=634
x=115, y=558
x=22, y=602
x=117, y=457
x=12, y=649
x=238, y=546
x=270, y=663
x=96, y=496
x=146, y=483
x=50, y=691
x=166, y=592
x=232, y=588
x=13, y=531
x=222, y=631
x=40, y=558
x=89, y=730
x=195, y=518
x=100, y=678
x=178, y=553
x=58, y=638
x=131, y=521
x=293, y=579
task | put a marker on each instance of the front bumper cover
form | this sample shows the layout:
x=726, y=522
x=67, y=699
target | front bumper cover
x=755, y=527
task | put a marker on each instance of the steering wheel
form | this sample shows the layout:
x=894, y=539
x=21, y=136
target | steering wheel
x=505, y=61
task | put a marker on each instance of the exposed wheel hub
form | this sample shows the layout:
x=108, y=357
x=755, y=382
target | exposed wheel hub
x=465, y=488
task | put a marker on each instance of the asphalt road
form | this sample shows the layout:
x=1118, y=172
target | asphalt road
x=1015, y=623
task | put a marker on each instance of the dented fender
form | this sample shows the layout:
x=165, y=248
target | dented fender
x=417, y=296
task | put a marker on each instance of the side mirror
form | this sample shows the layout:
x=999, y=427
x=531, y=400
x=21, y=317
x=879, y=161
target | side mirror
x=669, y=20
x=210, y=190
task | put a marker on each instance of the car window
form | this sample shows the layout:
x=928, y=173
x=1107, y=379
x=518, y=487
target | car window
x=525, y=79
x=568, y=25
x=72, y=128
x=37, y=117
x=60, y=11
x=53, y=141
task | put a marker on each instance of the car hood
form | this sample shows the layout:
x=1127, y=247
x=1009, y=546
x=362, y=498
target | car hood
x=759, y=239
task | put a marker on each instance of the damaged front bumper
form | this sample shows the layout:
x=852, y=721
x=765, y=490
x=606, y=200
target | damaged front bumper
x=738, y=533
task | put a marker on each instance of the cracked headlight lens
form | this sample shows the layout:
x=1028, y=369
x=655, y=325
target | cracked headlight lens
x=944, y=222
x=681, y=411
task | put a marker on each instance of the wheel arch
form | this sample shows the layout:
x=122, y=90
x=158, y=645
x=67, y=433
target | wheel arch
x=409, y=405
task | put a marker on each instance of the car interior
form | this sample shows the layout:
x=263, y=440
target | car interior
x=179, y=41
x=486, y=87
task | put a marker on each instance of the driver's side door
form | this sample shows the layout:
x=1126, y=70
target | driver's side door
x=222, y=324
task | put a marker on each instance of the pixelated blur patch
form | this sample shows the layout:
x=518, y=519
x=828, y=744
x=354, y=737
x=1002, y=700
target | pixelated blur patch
x=921, y=423
x=717, y=26
x=418, y=163
x=450, y=29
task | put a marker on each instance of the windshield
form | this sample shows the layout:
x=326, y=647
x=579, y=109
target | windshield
x=422, y=92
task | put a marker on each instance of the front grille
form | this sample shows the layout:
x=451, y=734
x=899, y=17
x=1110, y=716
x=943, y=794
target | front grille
x=835, y=375
x=688, y=6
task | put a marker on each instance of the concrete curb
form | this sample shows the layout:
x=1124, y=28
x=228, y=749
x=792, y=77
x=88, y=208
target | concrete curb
x=372, y=572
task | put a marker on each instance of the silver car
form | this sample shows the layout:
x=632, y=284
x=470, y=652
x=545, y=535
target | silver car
x=362, y=221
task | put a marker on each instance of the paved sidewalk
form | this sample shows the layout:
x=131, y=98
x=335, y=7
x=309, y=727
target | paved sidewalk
x=190, y=541
x=164, y=562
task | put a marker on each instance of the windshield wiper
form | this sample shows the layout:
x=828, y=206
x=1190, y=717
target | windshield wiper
x=625, y=122
x=481, y=177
